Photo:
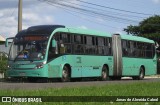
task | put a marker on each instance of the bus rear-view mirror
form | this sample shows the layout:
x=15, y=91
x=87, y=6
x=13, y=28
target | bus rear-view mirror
x=54, y=43
x=7, y=41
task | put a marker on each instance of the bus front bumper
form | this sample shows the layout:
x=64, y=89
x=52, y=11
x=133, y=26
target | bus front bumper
x=27, y=73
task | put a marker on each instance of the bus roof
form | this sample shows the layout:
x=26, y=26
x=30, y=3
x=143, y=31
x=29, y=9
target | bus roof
x=48, y=29
x=104, y=34
x=136, y=38
x=89, y=32
x=39, y=30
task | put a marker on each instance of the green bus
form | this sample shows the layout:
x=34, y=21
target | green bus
x=56, y=51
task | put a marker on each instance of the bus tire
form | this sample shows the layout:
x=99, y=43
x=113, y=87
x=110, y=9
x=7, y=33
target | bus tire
x=104, y=74
x=141, y=74
x=65, y=74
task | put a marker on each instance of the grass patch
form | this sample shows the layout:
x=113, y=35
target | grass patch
x=132, y=89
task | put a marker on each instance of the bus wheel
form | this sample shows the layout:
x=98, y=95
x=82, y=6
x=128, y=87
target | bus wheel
x=141, y=74
x=104, y=75
x=65, y=74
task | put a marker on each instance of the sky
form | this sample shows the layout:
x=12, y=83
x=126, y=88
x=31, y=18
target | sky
x=110, y=16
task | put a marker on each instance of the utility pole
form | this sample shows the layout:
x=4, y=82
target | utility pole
x=20, y=15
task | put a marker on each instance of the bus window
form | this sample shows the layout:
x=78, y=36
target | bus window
x=78, y=44
x=124, y=48
x=57, y=36
x=52, y=50
x=89, y=40
x=108, y=48
x=141, y=49
x=94, y=40
x=78, y=39
x=88, y=48
x=150, y=50
x=134, y=49
x=100, y=45
x=64, y=43
x=131, y=48
x=65, y=38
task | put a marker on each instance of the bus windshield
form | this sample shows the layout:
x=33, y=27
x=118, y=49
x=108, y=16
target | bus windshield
x=28, y=48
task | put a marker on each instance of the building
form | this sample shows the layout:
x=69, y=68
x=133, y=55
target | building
x=2, y=45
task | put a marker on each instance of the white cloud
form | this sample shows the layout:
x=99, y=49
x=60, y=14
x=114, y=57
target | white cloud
x=34, y=18
x=33, y=15
x=1, y=14
x=8, y=31
x=99, y=19
x=8, y=25
x=82, y=27
x=156, y=1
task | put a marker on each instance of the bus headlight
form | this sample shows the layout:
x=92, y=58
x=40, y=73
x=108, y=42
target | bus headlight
x=38, y=66
x=9, y=66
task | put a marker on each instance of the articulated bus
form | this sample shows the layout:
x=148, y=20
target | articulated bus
x=56, y=51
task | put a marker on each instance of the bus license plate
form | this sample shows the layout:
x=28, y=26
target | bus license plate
x=22, y=74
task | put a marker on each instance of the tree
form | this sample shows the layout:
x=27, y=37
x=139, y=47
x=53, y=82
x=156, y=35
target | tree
x=3, y=62
x=149, y=28
x=3, y=66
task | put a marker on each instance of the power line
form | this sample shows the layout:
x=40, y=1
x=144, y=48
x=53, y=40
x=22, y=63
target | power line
x=98, y=9
x=94, y=12
x=113, y=8
x=68, y=11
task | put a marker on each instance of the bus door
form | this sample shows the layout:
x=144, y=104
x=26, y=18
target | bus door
x=117, y=55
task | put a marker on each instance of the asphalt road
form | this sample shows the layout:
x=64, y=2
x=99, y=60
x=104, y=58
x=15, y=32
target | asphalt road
x=26, y=85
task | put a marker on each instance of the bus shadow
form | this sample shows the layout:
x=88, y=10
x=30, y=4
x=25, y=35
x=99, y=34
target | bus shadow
x=51, y=80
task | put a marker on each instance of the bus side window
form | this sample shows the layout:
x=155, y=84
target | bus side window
x=124, y=48
x=108, y=46
x=57, y=36
x=143, y=50
x=140, y=49
x=134, y=48
x=129, y=48
x=52, y=51
x=78, y=44
x=101, y=45
x=150, y=50
x=94, y=45
x=65, y=38
x=65, y=45
x=88, y=49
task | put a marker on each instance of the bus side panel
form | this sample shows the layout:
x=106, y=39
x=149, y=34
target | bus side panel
x=81, y=65
x=76, y=72
x=92, y=65
x=131, y=66
x=84, y=66
x=54, y=71
x=150, y=67
x=55, y=68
